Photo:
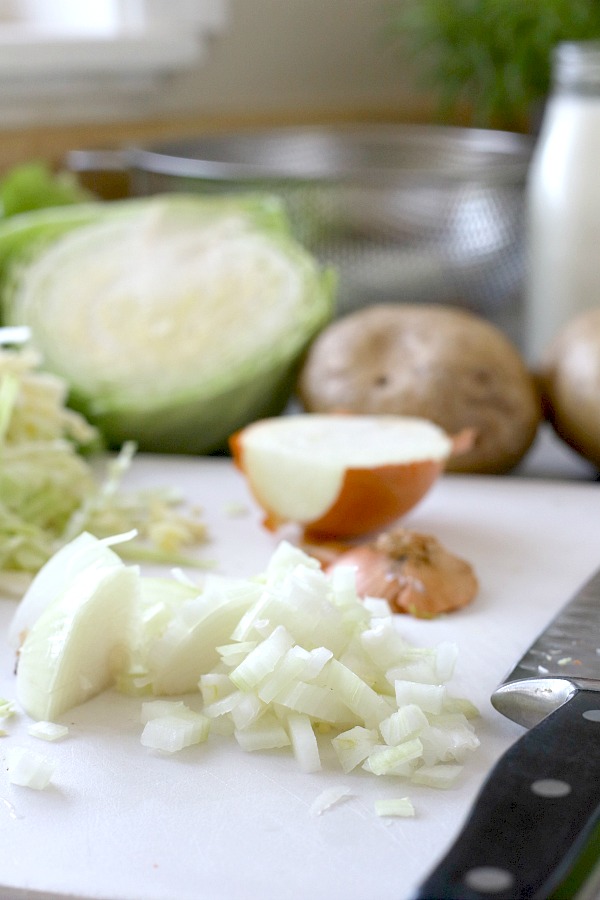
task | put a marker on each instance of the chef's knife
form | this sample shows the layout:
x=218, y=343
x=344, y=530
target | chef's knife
x=541, y=802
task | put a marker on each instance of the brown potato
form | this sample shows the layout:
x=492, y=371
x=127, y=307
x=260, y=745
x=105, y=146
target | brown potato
x=570, y=383
x=438, y=362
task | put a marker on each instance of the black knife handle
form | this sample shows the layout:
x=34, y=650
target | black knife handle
x=533, y=815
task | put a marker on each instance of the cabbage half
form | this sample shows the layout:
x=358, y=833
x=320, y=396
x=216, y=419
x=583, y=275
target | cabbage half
x=175, y=319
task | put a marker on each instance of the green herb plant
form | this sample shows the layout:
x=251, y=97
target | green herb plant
x=488, y=62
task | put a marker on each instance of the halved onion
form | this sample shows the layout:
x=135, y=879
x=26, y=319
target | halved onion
x=339, y=476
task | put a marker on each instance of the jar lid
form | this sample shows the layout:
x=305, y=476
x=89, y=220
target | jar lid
x=576, y=65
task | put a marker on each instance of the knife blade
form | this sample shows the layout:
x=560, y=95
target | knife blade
x=541, y=802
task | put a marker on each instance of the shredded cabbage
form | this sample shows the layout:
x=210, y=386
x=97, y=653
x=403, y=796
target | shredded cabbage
x=49, y=490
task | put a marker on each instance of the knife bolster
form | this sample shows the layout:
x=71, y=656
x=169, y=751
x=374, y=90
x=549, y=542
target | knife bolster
x=529, y=701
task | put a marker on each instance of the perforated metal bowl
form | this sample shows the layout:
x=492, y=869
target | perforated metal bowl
x=405, y=213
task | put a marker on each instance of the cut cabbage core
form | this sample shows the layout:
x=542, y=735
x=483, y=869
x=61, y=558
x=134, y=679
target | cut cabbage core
x=162, y=304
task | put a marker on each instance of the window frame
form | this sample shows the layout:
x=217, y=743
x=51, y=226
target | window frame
x=129, y=52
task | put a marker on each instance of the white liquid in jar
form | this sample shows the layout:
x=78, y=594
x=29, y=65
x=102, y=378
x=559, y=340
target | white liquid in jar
x=563, y=220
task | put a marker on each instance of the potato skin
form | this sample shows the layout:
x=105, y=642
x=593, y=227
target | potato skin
x=439, y=362
x=569, y=378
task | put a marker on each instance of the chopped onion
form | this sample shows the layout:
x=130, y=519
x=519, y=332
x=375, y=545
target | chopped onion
x=382, y=642
x=156, y=709
x=385, y=760
x=214, y=686
x=222, y=725
x=7, y=708
x=290, y=658
x=28, y=769
x=48, y=731
x=369, y=706
x=223, y=706
x=304, y=743
x=329, y=798
x=297, y=665
x=430, y=697
x=247, y=710
x=407, y=722
x=391, y=806
x=233, y=654
x=343, y=584
x=262, y=660
x=187, y=648
x=171, y=733
x=437, y=776
x=354, y=746
x=445, y=660
x=378, y=607
x=267, y=734
x=317, y=701
x=460, y=705
x=448, y=738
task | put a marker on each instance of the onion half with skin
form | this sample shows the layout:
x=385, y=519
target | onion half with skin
x=339, y=476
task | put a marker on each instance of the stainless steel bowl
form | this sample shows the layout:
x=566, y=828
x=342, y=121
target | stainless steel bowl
x=404, y=212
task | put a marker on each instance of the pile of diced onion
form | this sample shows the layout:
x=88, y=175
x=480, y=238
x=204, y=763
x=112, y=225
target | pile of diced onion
x=292, y=658
x=309, y=661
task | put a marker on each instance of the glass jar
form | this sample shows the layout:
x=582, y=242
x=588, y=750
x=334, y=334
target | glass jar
x=563, y=200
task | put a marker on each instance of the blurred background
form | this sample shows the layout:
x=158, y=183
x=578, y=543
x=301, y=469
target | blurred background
x=110, y=74
x=399, y=132
x=106, y=71
x=224, y=64
x=435, y=214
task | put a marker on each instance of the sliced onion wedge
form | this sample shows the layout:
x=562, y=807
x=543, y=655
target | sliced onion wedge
x=339, y=476
x=77, y=646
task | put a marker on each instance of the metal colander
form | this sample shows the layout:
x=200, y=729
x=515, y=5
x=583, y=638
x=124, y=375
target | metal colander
x=405, y=213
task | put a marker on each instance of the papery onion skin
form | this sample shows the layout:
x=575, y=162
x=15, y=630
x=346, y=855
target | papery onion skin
x=340, y=476
x=412, y=571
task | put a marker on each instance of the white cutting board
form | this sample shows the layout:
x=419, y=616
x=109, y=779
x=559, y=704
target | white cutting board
x=215, y=823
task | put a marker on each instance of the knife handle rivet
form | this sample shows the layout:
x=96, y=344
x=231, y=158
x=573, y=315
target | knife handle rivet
x=592, y=715
x=551, y=787
x=488, y=879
